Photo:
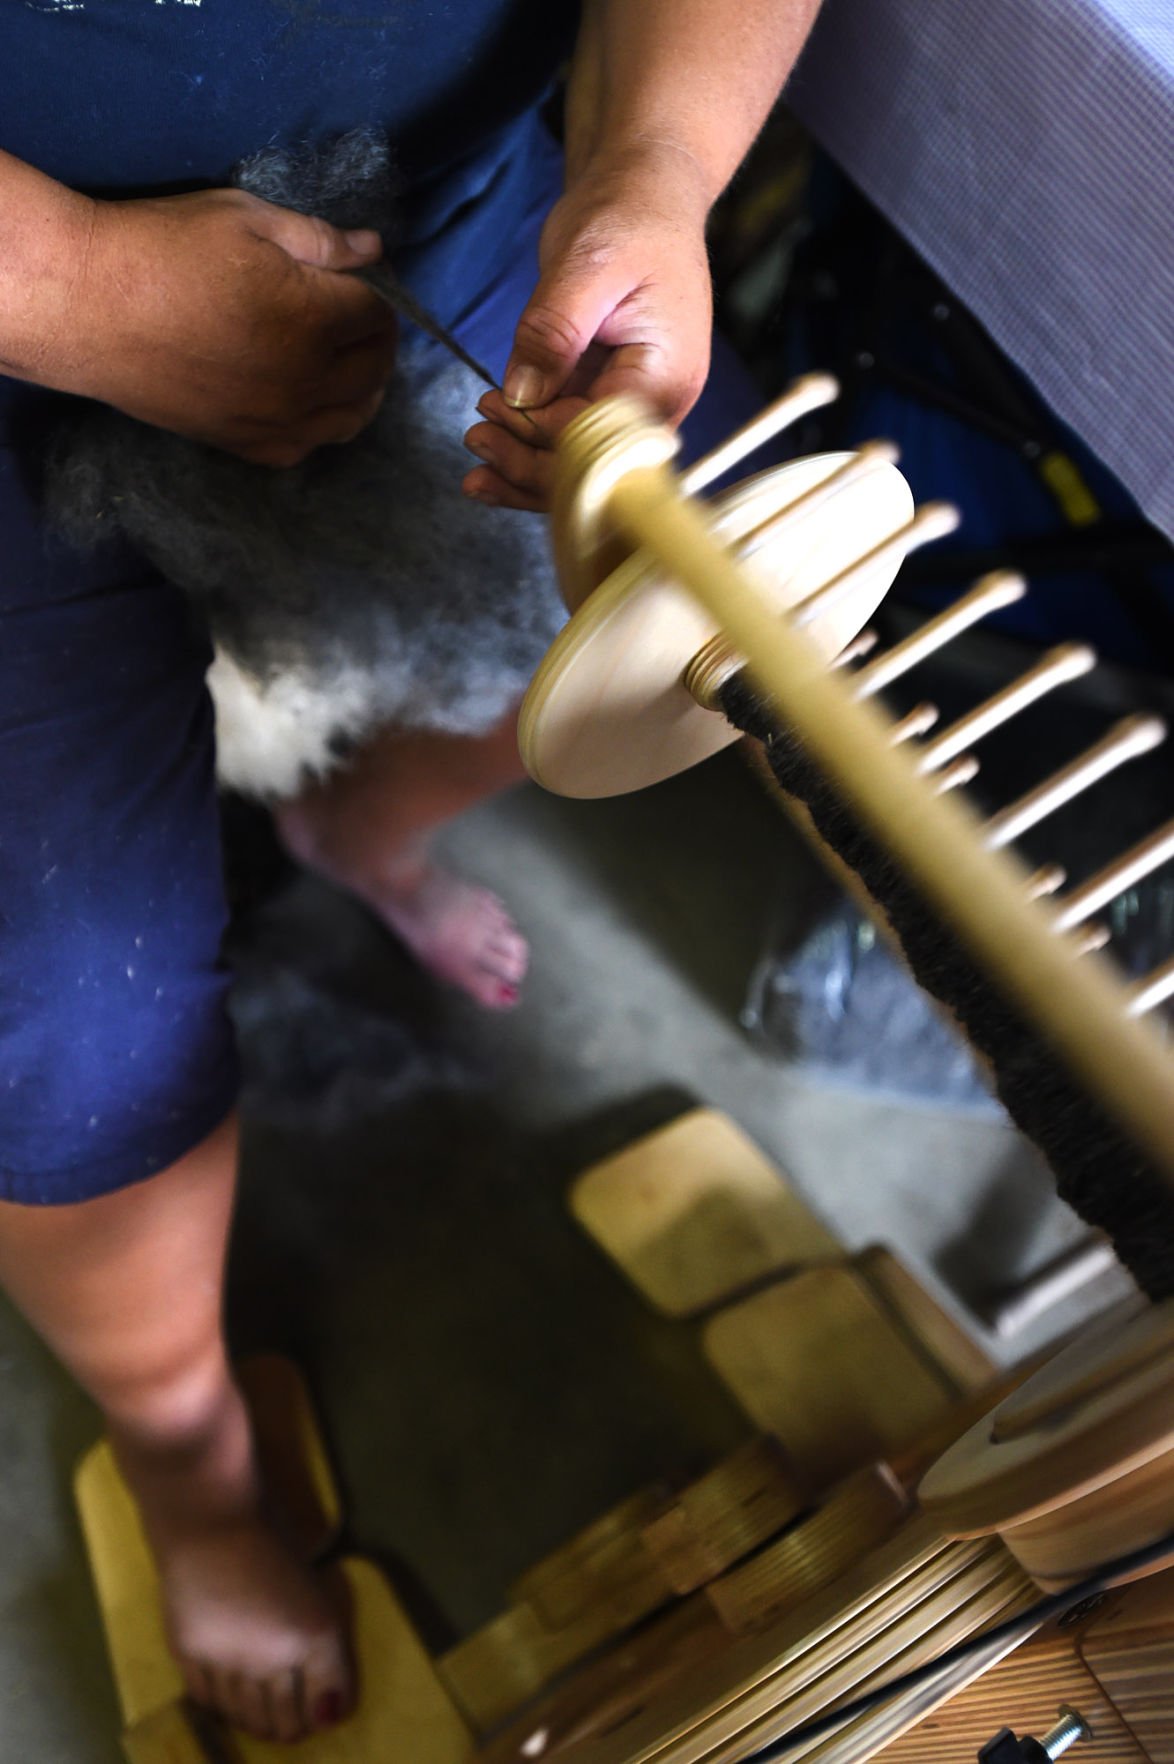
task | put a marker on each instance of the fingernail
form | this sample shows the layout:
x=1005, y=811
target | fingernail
x=483, y=497
x=523, y=386
x=482, y=449
x=366, y=242
x=328, y=1710
x=508, y=994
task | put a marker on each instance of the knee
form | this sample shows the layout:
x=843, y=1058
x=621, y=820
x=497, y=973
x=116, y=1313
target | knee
x=170, y=1393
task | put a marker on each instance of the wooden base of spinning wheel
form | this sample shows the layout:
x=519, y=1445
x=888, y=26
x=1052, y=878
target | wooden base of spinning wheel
x=1077, y=1466
x=771, y=1598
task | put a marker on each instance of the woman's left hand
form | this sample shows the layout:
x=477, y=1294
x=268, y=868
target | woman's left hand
x=623, y=304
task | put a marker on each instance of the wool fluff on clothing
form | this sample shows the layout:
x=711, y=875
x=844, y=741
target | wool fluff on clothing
x=358, y=590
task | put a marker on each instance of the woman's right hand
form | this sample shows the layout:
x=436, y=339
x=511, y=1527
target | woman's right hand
x=216, y=315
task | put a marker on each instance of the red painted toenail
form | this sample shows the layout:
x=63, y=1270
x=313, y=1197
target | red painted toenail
x=508, y=994
x=328, y=1710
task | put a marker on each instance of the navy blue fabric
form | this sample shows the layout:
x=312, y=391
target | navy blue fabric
x=129, y=96
x=116, y=1054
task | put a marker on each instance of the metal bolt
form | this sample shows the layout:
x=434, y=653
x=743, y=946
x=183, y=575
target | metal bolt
x=1068, y=1729
x=1006, y=1748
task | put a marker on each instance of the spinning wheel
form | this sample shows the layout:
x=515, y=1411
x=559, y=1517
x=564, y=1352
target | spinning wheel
x=617, y=702
x=780, y=576
x=1077, y=1468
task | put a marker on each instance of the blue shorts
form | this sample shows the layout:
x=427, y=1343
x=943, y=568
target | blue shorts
x=116, y=1055
x=116, y=1052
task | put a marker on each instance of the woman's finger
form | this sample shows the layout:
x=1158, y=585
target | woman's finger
x=538, y=428
x=528, y=468
x=484, y=485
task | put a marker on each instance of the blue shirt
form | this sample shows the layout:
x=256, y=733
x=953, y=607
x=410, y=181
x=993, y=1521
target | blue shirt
x=122, y=97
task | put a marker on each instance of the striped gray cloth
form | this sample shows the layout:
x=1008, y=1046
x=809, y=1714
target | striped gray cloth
x=1026, y=149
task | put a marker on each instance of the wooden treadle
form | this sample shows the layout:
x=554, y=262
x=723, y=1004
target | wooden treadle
x=851, y=1388
x=695, y=1213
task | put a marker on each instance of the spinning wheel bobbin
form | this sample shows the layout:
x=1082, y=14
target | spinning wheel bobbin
x=627, y=696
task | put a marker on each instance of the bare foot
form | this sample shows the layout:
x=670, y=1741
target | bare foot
x=460, y=932
x=260, y=1638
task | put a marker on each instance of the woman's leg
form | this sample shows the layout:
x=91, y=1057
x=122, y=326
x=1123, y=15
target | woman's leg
x=368, y=829
x=116, y=1165
x=126, y=1289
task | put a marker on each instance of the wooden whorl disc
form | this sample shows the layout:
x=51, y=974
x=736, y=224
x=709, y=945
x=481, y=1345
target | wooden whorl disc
x=1076, y=1467
x=608, y=712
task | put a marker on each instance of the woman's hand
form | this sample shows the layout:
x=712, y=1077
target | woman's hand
x=216, y=315
x=624, y=304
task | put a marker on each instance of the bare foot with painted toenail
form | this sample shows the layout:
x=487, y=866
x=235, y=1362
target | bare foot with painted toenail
x=368, y=828
x=261, y=1638
x=460, y=932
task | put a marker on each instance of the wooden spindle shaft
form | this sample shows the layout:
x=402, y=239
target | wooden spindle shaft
x=1078, y=1003
x=1129, y=739
x=1067, y=662
x=1001, y=588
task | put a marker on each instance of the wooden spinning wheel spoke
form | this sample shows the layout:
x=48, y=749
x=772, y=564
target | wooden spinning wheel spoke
x=993, y=592
x=809, y=393
x=919, y=721
x=1067, y=662
x=868, y=459
x=1127, y=740
x=935, y=520
x=1123, y=873
x=1147, y=994
x=960, y=771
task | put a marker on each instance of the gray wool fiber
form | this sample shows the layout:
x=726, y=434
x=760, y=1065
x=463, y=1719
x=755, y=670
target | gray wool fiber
x=355, y=591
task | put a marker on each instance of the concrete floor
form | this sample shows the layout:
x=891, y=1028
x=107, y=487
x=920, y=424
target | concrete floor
x=487, y=1380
